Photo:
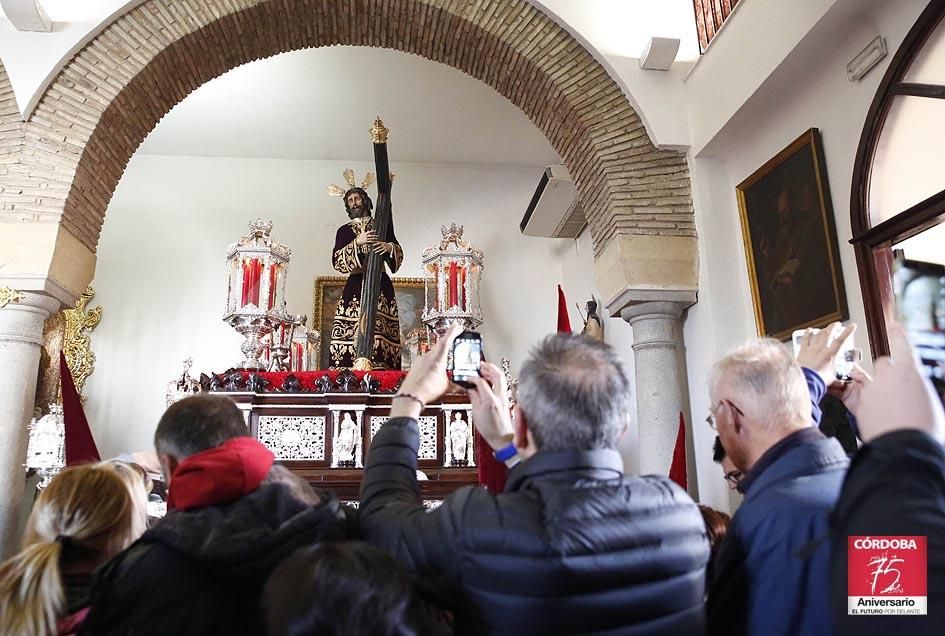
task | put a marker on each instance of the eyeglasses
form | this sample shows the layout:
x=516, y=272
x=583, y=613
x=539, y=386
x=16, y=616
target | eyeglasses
x=734, y=477
x=710, y=418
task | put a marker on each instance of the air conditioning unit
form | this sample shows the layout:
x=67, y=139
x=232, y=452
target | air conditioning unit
x=554, y=211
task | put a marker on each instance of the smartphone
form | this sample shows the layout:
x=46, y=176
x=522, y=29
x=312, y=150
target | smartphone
x=847, y=357
x=466, y=358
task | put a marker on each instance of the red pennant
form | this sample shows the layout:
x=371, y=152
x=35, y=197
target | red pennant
x=80, y=447
x=677, y=471
x=564, y=323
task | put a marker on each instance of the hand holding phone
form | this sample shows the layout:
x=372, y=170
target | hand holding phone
x=828, y=352
x=491, y=414
x=466, y=358
x=426, y=380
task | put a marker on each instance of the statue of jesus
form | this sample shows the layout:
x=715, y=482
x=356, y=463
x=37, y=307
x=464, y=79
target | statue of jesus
x=353, y=242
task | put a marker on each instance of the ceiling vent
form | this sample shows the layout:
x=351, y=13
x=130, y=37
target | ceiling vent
x=659, y=54
x=554, y=211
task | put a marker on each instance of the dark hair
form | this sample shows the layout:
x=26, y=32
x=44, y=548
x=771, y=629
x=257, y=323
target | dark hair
x=340, y=588
x=718, y=451
x=198, y=423
x=716, y=525
x=574, y=394
x=364, y=195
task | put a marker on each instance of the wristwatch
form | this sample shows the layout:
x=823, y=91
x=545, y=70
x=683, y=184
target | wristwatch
x=508, y=455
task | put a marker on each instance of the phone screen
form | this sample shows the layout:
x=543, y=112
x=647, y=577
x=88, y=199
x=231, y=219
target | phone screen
x=467, y=353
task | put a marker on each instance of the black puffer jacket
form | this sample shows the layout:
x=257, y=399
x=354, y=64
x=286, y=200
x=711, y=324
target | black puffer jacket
x=895, y=487
x=201, y=571
x=573, y=546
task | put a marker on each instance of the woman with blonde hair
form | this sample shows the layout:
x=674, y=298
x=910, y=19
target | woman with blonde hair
x=84, y=517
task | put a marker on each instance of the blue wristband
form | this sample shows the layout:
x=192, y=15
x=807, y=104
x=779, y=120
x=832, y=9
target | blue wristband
x=506, y=453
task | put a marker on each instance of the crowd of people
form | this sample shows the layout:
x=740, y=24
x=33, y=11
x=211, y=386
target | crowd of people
x=573, y=545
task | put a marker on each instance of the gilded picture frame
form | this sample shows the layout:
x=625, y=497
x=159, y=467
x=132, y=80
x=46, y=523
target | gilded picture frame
x=790, y=241
x=326, y=293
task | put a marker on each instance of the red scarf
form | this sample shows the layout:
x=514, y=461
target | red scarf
x=219, y=475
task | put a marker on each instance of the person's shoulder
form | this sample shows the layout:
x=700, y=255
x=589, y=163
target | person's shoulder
x=477, y=506
x=129, y=578
x=802, y=501
x=144, y=562
x=659, y=487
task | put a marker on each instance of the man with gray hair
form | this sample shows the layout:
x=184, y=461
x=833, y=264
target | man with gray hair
x=772, y=570
x=573, y=545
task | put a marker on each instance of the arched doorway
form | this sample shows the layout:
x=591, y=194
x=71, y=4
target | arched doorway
x=112, y=93
x=897, y=202
x=66, y=160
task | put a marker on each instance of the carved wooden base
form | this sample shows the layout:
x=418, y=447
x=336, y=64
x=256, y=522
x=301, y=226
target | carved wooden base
x=300, y=426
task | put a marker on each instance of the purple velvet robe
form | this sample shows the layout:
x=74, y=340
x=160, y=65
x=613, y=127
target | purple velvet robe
x=349, y=258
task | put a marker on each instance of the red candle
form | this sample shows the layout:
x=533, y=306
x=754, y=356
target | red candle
x=463, y=286
x=255, y=273
x=272, y=285
x=452, y=289
x=245, y=294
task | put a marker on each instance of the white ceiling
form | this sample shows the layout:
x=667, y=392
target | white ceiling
x=623, y=28
x=320, y=103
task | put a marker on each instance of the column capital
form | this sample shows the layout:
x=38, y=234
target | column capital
x=665, y=309
x=23, y=314
x=631, y=303
x=20, y=298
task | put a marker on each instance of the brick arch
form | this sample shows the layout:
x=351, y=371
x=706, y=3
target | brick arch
x=104, y=102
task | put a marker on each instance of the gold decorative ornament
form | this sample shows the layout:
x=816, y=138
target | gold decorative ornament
x=8, y=296
x=339, y=191
x=379, y=132
x=323, y=283
x=363, y=364
x=47, y=387
x=76, y=344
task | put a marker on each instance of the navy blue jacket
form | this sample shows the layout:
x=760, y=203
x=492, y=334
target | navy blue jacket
x=573, y=546
x=773, y=569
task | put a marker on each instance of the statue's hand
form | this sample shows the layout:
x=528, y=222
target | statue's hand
x=368, y=236
x=383, y=248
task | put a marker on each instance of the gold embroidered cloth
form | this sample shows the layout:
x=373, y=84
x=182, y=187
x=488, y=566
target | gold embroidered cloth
x=349, y=258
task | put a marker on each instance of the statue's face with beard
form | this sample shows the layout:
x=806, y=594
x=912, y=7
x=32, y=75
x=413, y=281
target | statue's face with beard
x=356, y=205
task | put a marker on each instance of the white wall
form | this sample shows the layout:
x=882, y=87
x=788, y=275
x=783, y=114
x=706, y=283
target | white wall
x=160, y=276
x=753, y=42
x=807, y=89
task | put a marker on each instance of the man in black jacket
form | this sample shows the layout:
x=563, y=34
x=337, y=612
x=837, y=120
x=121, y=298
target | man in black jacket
x=234, y=516
x=573, y=545
x=895, y=487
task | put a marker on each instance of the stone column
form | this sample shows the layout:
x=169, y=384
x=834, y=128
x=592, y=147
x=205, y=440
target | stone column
x=656, y=320
x=21, y=337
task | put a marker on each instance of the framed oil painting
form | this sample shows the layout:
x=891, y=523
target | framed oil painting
x=327, y=292
x=791, y=241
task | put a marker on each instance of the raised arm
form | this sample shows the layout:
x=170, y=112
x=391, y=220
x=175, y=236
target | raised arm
x=896, y=484
x=391, y=513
